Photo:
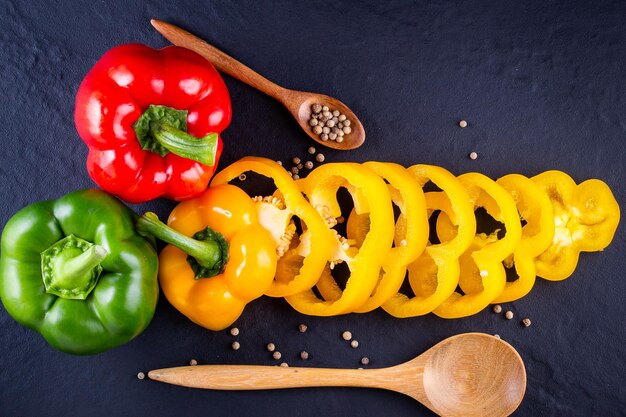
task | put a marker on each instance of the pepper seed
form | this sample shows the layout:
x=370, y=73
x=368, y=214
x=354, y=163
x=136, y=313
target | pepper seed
x=526, y=322
x=235, y=345
x=304, y=355
x=497, y=309
x=508, y=315
x=276, y=355
x=234, y=331
x=271, y=347
x=302, y=328
x=346, y=335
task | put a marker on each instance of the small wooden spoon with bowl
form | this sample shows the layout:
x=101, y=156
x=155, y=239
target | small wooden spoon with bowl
x=297, y=102
x=469, y=375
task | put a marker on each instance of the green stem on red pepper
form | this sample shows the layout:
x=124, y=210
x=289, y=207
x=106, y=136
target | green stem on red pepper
x=207, y=250
x=162, y=129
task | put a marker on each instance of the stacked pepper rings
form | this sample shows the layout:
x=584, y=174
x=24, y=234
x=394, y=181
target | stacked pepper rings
x=457, y=269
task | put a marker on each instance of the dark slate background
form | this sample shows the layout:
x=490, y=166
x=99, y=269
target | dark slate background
x=540, y=83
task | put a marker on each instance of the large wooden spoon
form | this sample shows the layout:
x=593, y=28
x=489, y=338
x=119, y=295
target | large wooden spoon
x=471, y=374
x=297, y=102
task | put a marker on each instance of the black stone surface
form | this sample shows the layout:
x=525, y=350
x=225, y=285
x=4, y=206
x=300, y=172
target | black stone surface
x=542, y=85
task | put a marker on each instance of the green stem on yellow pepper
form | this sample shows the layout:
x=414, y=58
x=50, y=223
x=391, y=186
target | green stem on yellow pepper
x=207, y=249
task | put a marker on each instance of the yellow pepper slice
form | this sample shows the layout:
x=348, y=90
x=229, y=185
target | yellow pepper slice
x=300, y=263
x=482, y=276
x=364, y=263
x=411, y=235
x=435, y=274
x=585, y=219
x=535, y=209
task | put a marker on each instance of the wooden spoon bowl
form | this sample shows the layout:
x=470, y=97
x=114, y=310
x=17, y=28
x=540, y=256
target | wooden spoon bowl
x=469, y=375
x=297, y=102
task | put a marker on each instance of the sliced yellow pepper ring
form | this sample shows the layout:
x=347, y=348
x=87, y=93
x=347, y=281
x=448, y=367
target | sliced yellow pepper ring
x=585, y=219
x=364, y=263
x=482, y=276
x=411, y=235
x=535, y=209
x=435, y=274
x=304, y=258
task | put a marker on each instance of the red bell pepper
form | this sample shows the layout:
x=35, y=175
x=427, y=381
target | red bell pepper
x=151, y=120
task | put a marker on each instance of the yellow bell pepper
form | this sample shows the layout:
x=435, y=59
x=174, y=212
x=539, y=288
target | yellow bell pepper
x=218, y=259
x=535, y=209
x=301, y=258
x=585, y=219
x=482, y=276
x=435, y=274
x=370, y=195
x=411, y=235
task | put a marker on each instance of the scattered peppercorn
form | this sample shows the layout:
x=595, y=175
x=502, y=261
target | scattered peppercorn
x=346, y=335
x=365, y=360
x=295, y=160
x=302, y=328
x=193, y=362
x=295, y=170
x=320, y=157
x=276, y=355
x=299, y=166
x=526, y=322
x=308, y=165
x=235, y=345
x=284, y=364
x=497, y=336
x=462, y=123
x=304, y=355
x=341, y=219
x=279, y=162
x=473, y=155
x=508, y=315
x=497, y=309
x=354, y=344
x=234, y=331
x=271, y=347
x=311, y=150
x=295, y=176
x=141, y=375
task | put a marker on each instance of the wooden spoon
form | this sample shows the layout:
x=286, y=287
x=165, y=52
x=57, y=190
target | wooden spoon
x=471, y=374
x=297, y=102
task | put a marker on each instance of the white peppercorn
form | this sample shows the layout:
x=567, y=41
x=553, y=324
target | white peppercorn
x=320, y=157
x=326, y=129
x=303, y=327
x=308, y=165
x=526, y=322
x=324, y=136
x=276, y=355
x=342, y=117
x=304, y=355
x=330, y=123
x=317, y=108
x=317, y=130
x=141, y=375
x=235, y=345
x=365, y=360
x=346, y=122
x=339, y=139
x=325, y=108
x=311, y=150
x=354, y=344
x=347, y=130
x=508, y=315
x=270, y=347
x=234, y=331
x=332, y=136
x=347, y=335
x=336, y=113
x=313, y=122
x=193, y=362
x=497, y=309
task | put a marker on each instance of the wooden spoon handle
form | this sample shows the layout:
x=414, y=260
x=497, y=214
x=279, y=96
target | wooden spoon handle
x=252, y=377
x=219, y=59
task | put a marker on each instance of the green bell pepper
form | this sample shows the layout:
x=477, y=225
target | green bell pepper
x=75, y=270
